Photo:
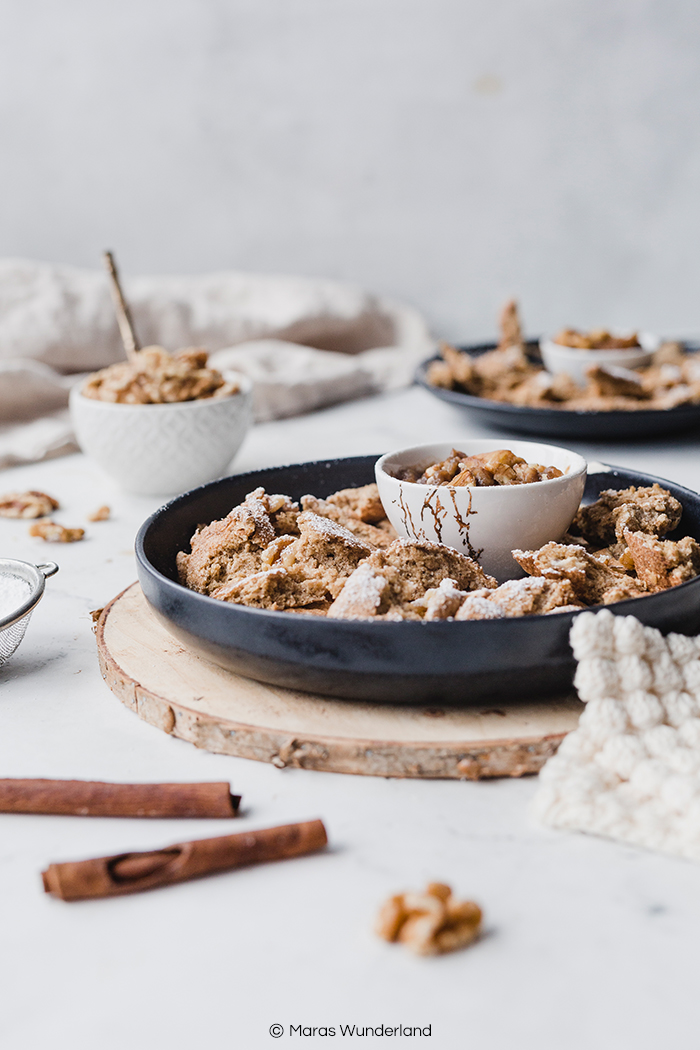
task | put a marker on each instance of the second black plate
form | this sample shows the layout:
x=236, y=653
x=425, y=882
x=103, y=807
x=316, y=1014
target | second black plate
x=561, y=422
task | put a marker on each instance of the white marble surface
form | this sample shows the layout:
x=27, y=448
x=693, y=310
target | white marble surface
x=588, y=943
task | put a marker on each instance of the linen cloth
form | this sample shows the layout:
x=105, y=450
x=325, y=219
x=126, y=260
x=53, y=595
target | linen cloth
x=631, y=769
x=305, y=343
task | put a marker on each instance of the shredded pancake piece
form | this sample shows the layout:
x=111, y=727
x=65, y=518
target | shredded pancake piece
x=233, y=546
x=408, y=570
x=299, y=571
x=649, y=509
x=661, y=564
x=591, y=579
x=360, y=510
x=533, y=596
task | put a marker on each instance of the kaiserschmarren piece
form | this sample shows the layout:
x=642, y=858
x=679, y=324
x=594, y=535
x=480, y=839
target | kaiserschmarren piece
x=233, y=546
x=325, y=551
x=429, y=923
x=358, y=510
x=273, y=589
x=31, y=504
x=391, y=583
x=649, y=509
x=661, y=564
x=533, y=596
x=442, y=602
x=605, y=382
x=590, y=578
x=510, y=326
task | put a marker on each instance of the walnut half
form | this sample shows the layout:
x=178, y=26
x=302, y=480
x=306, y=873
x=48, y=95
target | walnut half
x=429, y=923
x=31, y=504
x=52, y=532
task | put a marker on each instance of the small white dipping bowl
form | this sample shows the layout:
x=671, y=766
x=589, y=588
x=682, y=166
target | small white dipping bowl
x=162, y=450
x=486, y=523
x=574, y=361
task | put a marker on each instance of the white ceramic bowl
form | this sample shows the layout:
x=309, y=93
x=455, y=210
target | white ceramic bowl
x=574, y=361
x=161, y=450
x=486, y=523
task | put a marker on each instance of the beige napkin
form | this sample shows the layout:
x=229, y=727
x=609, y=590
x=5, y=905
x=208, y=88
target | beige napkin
x=631, y=769
x=305, y=343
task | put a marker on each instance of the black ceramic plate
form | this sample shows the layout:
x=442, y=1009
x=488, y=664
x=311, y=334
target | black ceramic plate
x=412, y=662
x=560, y=422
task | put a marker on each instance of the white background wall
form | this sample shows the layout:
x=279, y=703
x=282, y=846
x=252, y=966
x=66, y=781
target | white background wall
x=448, y=152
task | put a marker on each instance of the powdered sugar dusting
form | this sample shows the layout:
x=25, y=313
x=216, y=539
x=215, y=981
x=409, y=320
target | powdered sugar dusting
x=477, y=608
x=14, y=592
x=361, y=596
x=310, y=522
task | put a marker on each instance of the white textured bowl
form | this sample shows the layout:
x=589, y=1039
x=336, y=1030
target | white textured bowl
x=486, y=523
x=161, y=450
x=575, y=362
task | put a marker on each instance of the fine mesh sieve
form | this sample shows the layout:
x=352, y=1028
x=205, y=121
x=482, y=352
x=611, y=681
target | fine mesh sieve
x=21, y=587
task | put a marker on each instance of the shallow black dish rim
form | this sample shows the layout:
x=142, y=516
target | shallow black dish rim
x=559, y=422
x=456, y=663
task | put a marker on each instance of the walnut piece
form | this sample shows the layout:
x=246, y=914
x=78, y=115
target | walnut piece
x=52, y=532
x=500, y=467
x=429, y=923
x=597, y=339
x=31, y=504
x=101, y=514
x=154, y=376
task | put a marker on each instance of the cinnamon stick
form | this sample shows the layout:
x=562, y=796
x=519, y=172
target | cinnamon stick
x=132, y=872
x=121, y=307
x=94, y=799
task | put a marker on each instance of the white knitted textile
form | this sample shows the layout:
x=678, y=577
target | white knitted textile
x=631, y=769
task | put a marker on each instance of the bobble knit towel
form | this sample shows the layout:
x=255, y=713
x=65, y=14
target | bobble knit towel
x=631, y=770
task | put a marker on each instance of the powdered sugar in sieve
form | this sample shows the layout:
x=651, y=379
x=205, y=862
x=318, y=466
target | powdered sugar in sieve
x=21, y=588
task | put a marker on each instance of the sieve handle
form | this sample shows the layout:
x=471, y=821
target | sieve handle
x=49, y=568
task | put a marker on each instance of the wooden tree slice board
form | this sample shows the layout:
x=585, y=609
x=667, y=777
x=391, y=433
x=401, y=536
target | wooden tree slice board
x=198, y=701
